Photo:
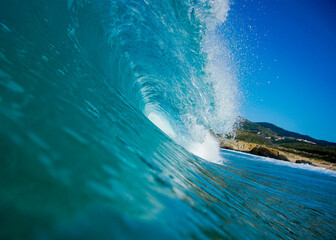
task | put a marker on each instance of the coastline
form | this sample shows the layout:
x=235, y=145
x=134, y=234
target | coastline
x=266, y=151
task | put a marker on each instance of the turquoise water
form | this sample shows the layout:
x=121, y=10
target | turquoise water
x=81, y=84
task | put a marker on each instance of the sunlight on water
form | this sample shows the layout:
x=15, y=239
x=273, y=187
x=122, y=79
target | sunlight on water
x=162, y=123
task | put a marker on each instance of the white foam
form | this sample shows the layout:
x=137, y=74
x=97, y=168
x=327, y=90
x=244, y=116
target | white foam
x=207, y=149
x=201, y=144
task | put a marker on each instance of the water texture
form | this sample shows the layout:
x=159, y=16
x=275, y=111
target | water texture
x=81, y=84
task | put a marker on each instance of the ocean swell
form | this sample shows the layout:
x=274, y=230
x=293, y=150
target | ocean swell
x=169, y=62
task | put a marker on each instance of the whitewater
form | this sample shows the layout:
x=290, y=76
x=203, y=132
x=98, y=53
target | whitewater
x=107, y=110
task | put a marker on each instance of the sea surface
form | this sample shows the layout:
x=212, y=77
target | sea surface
x=105, y=113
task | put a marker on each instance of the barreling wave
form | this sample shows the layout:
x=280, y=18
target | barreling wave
x=81, y=84
x=167, y=61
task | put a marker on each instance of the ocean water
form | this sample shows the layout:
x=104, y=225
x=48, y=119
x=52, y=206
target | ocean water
x=105, y=112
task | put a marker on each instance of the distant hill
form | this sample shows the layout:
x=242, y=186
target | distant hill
x=271, y=135
x=284, y=133
x=269, y=132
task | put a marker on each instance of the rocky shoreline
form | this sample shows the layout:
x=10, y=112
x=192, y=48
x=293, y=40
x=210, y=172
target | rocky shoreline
x=262, y=150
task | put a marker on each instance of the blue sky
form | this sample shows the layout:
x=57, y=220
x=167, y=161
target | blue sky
x=286, y=56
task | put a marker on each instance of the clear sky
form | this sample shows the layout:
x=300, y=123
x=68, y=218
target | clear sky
x=286, y=56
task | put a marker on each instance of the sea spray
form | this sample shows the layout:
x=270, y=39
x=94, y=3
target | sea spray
x=222, y=116
x=206, y=99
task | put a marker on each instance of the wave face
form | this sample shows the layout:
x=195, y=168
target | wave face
x=161, y=59
x=82, y=83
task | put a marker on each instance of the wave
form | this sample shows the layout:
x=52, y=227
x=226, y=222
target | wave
x=175, y=65
x=101, y=104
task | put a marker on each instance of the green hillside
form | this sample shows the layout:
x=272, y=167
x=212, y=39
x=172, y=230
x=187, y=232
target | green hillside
x=270, y=135
x=284, y=133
